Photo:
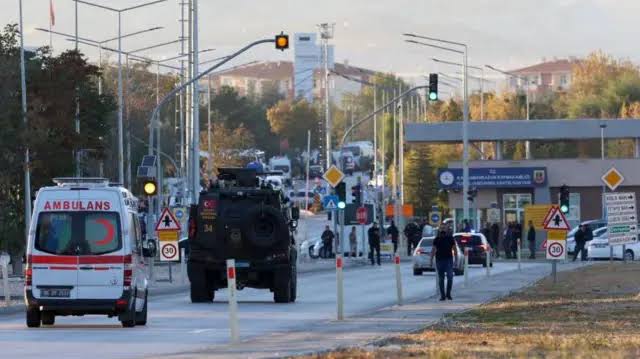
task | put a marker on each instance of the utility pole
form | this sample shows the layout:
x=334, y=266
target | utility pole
x=209, y=159
x=326, y=33
x=196, y=110
x=23, y=97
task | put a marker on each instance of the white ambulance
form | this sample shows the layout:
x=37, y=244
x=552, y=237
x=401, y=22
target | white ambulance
x=85, y=254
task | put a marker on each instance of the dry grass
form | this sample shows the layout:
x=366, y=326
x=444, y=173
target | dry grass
x=593, y=312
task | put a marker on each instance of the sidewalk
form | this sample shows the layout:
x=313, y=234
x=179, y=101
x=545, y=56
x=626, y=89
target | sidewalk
x=366, y=329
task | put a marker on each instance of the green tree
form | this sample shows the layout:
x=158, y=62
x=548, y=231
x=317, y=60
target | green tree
x=292, y=120
x=420, y=179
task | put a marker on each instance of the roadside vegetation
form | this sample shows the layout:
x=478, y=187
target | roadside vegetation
x=593, y=312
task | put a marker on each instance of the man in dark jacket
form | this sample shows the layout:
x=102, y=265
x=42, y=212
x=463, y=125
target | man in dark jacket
x=327, y=242
x=394, y=233
x=580, y=238
x=495, y=238
x=412, y=233
x=374, y=242
x=445, y=250
x=531, y=238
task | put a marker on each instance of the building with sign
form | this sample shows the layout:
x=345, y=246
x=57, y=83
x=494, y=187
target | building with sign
x=508, y=186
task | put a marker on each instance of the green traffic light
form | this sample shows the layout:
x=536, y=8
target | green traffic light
x=341, y=205
x=433, y=96
x=564, y=208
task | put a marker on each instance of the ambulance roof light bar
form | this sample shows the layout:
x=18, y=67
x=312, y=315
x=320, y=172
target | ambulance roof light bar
x=84, y=181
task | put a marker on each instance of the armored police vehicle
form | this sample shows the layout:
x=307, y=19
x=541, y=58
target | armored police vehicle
x=242, y=217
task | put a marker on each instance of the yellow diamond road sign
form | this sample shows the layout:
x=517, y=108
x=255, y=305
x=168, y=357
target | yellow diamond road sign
x=612, y=178
x=333, y=176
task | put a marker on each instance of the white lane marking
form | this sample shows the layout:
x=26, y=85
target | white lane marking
x=200, y=331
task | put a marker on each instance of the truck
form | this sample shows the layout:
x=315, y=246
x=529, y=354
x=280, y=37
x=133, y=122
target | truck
x=282, y=164
x=242, y=217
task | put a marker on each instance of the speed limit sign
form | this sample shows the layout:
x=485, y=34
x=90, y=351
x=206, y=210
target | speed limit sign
x=169, y=251
x=556, y=249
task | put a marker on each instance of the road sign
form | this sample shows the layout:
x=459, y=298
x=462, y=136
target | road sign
x=167, y=222
x=555, y=220
x=622, y=218
x=556, y=235
x=612, y=178
x=435, y=217
x=361, y=215
x=556, y=249
x=181, y=214
x=167, y=236
x=330, y=202
x=333, y=176
x=169, y=251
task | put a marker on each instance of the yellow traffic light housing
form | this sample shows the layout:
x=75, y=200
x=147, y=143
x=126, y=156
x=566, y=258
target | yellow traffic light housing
x=150, y=187
x=282, y=42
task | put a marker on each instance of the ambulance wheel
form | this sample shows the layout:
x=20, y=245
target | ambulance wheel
x=128, y=318
x=33, y=318
x=294, y=283
x=48, y=318
x=141, y=318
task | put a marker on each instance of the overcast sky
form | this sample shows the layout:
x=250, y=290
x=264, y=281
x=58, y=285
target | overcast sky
x=504, y=33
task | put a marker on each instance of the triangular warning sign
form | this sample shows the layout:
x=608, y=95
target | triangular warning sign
x=555, y=219
x=331, y=205
x=167, y=222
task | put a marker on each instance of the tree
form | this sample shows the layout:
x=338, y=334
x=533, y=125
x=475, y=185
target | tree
x=420, y=179
x=292, y=121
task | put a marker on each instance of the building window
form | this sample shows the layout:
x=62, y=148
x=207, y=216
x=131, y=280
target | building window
x=563, y=80
x=513, y=206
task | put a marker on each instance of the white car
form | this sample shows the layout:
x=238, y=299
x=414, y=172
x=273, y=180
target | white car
x=422, y=258
x=593, y=225
x=85, y=254
x=599, y=248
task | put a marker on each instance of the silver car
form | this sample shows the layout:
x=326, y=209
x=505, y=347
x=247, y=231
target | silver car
x=422, y=258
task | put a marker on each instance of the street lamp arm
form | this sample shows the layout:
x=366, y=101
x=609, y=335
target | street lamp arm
x=504, y=72
x=173, y=92
x=455, y=63
x=436, y=39
x=141, y=5
x=154, y=46
x=67, y=35
x=132, y=57
x=133, y=34
x=378, y=110
x=173, y=162
x=435, y=46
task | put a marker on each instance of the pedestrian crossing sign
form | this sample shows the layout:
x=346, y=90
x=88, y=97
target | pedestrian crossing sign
x=555, y=220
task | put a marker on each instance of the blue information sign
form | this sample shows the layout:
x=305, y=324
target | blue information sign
x=515, y=177
x=435, y=217
x=330, y=202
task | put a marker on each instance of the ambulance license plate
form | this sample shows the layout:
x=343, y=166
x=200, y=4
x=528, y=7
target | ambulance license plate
x=55, y=292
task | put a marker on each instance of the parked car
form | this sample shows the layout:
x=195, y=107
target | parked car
x=592, y=224
x=599, y=247
x=422, y=258
x=478, y=247
x=348, y=162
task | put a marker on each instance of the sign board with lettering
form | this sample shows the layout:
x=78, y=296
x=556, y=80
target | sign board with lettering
x=622, y=217
x=517, y=177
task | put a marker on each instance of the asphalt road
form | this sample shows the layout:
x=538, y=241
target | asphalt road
x=178, y=326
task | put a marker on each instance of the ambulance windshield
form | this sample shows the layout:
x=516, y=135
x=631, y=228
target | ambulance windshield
x=78, y=233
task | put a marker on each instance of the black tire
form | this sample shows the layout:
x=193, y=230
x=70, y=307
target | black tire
x=312, y=254
x=141, y=318
x=48, y=318
x=417, y=271
x=282, y=287
x=264, y=226
x=128, y=318
x=200, y=289
x=33, y=318
x=628, y=255
x=294, y=283
x=458, y=272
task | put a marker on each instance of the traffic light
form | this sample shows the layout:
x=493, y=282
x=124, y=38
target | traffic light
x=357, y=194
x=472, y=194
x=150, y=187
x=564, y=199
x=433, y=87
x=341, y=191
x=282, y=42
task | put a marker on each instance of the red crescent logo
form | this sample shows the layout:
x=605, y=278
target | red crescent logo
x=110, y=231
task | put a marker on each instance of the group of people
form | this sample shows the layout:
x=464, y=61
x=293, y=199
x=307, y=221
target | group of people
x=512, y=233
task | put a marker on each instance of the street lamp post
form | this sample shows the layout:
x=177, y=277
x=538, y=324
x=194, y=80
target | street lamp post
x=527, y=145
x=465, y=113
x=23, y=98
x=120, y=95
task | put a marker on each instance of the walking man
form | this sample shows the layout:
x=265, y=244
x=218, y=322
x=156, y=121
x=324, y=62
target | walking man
x=444, y=249
x=394, y=233
x=580, y=238
x=531, y=238
x=495, y=238
x=353, y=242
x=374, y=242
x=327, y=242
x=412, y=233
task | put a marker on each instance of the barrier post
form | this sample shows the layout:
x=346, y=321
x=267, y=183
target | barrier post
x=5, y=279
x=466, y=267
x=183, y=267
x=519, y=255
x=488, y=261
x=233, y=301
x=398, y=278
x=339, y=287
